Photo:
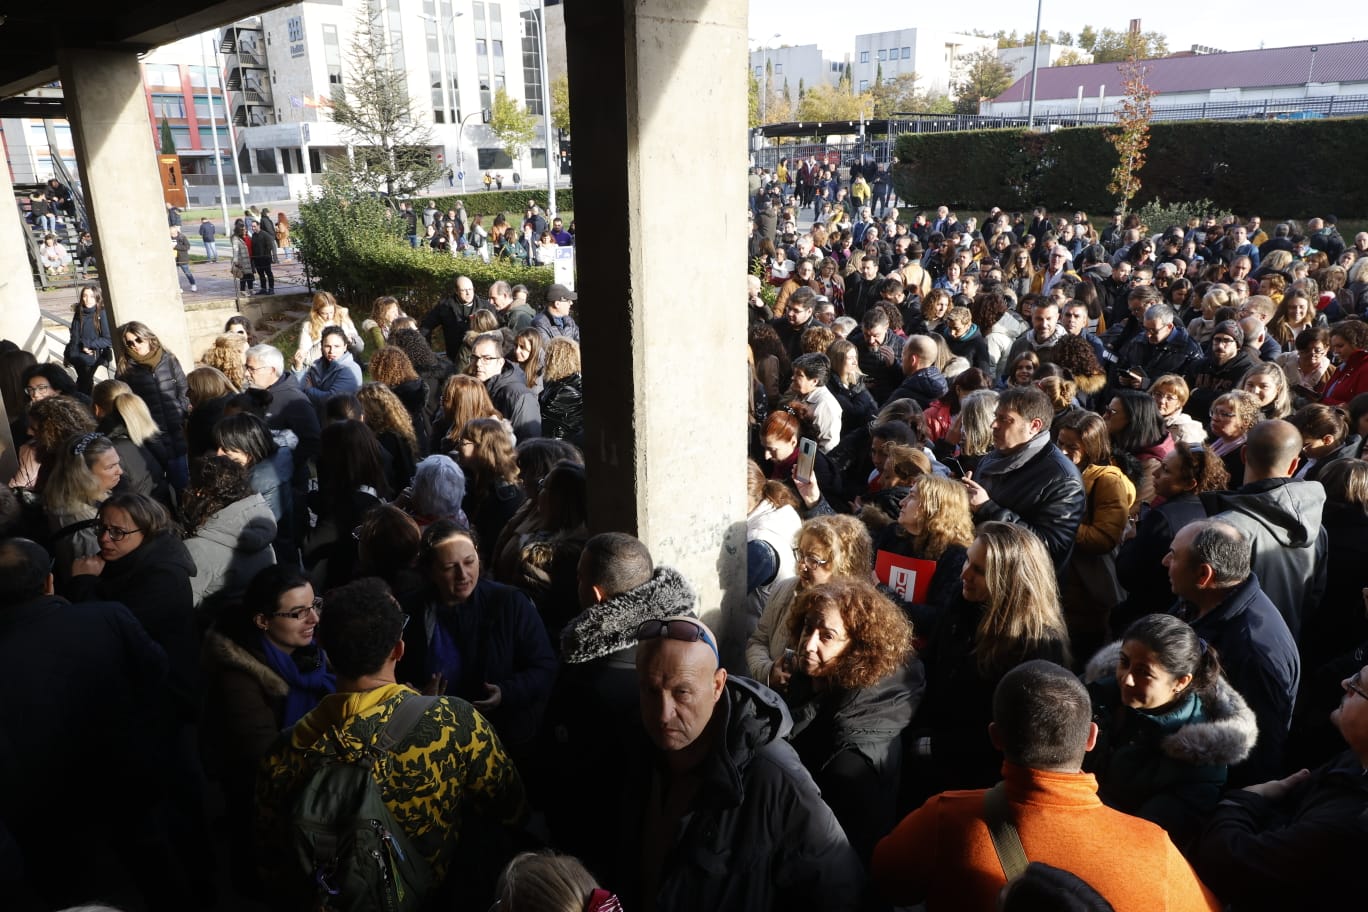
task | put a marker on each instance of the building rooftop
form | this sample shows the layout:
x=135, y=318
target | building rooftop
x=1342, y=62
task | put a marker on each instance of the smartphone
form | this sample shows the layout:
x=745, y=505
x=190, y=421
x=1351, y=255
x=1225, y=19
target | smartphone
x=807, y=455
x=953, y=465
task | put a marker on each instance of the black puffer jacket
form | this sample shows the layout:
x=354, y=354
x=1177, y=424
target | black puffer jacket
x=166, y=394
x=515, y=401
x=1037, y=487
x=850, y=740
x=144, y=467
x=756, y=837
x=562, y=408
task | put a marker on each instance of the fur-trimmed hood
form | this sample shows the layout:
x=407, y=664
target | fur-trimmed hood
x=1225, y=737
x=610, y=626
x=222, y=652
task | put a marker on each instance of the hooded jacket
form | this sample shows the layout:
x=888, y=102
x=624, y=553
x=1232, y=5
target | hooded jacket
x=1260, y=661
x=850, y=740
x=1038, y=487
x=594, y=709
x=1283, y=520
x=510, y=394
x=243, y=710
x=230, y=548
x=757, y=836
x=1166, y=767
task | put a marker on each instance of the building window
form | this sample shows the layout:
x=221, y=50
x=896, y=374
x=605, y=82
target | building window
x=864, y=56
x=332, y=55
x=265, y=161
x=171, y=107
x=161, y=74
x=778, y=69
x=181, y=137
x=493, y=158
x=907, y=53
x=883, y=55
x=531, y=63
x=864, y=84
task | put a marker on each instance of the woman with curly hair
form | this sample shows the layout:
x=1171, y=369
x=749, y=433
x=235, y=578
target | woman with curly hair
x=1006, y=612
x=229, y=355
x=934, y=307
x=1171, y=393
x=432, y=367
x=1183, y=476
x=229, y=529
x=562, y=397
x=493, y=495
x=463, y=400
x=51, y=421
x=1077, y=356
x=376, y=328
x=387, y=418
x=1232, y=417
x=831, y=546
x=934, y=524
x=393, y=368
x=854, y=688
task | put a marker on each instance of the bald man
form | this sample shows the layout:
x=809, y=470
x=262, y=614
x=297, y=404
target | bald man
x=727, y=819
x=1281, y=518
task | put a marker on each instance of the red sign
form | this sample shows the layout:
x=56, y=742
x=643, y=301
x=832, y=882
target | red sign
x=909, y=577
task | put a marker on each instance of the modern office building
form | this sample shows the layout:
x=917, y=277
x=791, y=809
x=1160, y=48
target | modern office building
x=938, y=58
x=798, y=66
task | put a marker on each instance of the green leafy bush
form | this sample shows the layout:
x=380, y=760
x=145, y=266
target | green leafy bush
x=1157, y=215
x=356, y=248
x=1303, y=167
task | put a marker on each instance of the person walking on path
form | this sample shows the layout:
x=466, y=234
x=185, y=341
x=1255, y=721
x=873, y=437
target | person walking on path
x=206, y=233
x=181, y=244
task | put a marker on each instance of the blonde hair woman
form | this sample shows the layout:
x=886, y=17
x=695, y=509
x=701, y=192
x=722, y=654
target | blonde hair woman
x=228, y=354
x=1007, y=612
x=934, y=523
x=143, y=451
x=324, y=311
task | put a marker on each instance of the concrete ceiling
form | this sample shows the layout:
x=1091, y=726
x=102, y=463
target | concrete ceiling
x=32, y=33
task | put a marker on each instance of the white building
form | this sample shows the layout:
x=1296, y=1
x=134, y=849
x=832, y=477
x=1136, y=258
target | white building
x=1325, y=75
x=801, y=65
x=1018, y=59
x=939, y=58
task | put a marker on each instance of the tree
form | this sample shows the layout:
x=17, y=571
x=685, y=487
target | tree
x=391, y=143
x=1112, y=46
x=985, y=76
x=511, y=124
x=1087, y=39
x=1071, y=57
x=168, y=141
x=844, y=83
x=878, y=73
x=753, y=99
x=1130, y=136
x=560, y=103
x=898, y=94
x=825, y=103
x=1064, y=38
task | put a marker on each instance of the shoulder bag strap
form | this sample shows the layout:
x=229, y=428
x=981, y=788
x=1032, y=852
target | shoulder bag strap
x=402, y=721
x=1006, y=840
x=75, y=527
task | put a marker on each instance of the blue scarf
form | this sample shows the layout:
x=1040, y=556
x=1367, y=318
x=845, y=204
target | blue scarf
x=444, y=656
x=306, y=687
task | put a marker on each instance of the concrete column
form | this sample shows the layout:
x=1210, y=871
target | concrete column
x=664, y=335
x=118, y=166
x=20, y=320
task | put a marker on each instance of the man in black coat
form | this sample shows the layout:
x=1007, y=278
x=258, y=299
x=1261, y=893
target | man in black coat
x=84, y=674
x=862, y=288
x=797, y=319
x=507, y=386
x=290, y=409
x=1163, y=347
x=452, y=314
x=1209, y=570
x=1025, y=479
x=722, y=815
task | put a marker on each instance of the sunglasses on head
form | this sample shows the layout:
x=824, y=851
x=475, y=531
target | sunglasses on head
x=683, y=630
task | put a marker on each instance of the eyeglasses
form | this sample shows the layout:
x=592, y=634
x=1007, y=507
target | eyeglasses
x=488, y=358
x=1352, y=685
x=811, y=560
x=685, y=631
x=114, y=532
x=31, y=391
x=1219, y=413
x=316, y=606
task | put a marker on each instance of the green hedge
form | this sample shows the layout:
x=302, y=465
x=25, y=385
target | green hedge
x=1305, y=167
x=356, y=249
x=512, y=203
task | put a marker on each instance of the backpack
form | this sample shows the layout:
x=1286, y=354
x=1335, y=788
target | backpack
x=346, y=839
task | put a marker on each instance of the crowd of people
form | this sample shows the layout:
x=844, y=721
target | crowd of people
x=1027, y=505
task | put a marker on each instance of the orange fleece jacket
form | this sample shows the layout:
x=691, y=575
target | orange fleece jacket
x=942, y=853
